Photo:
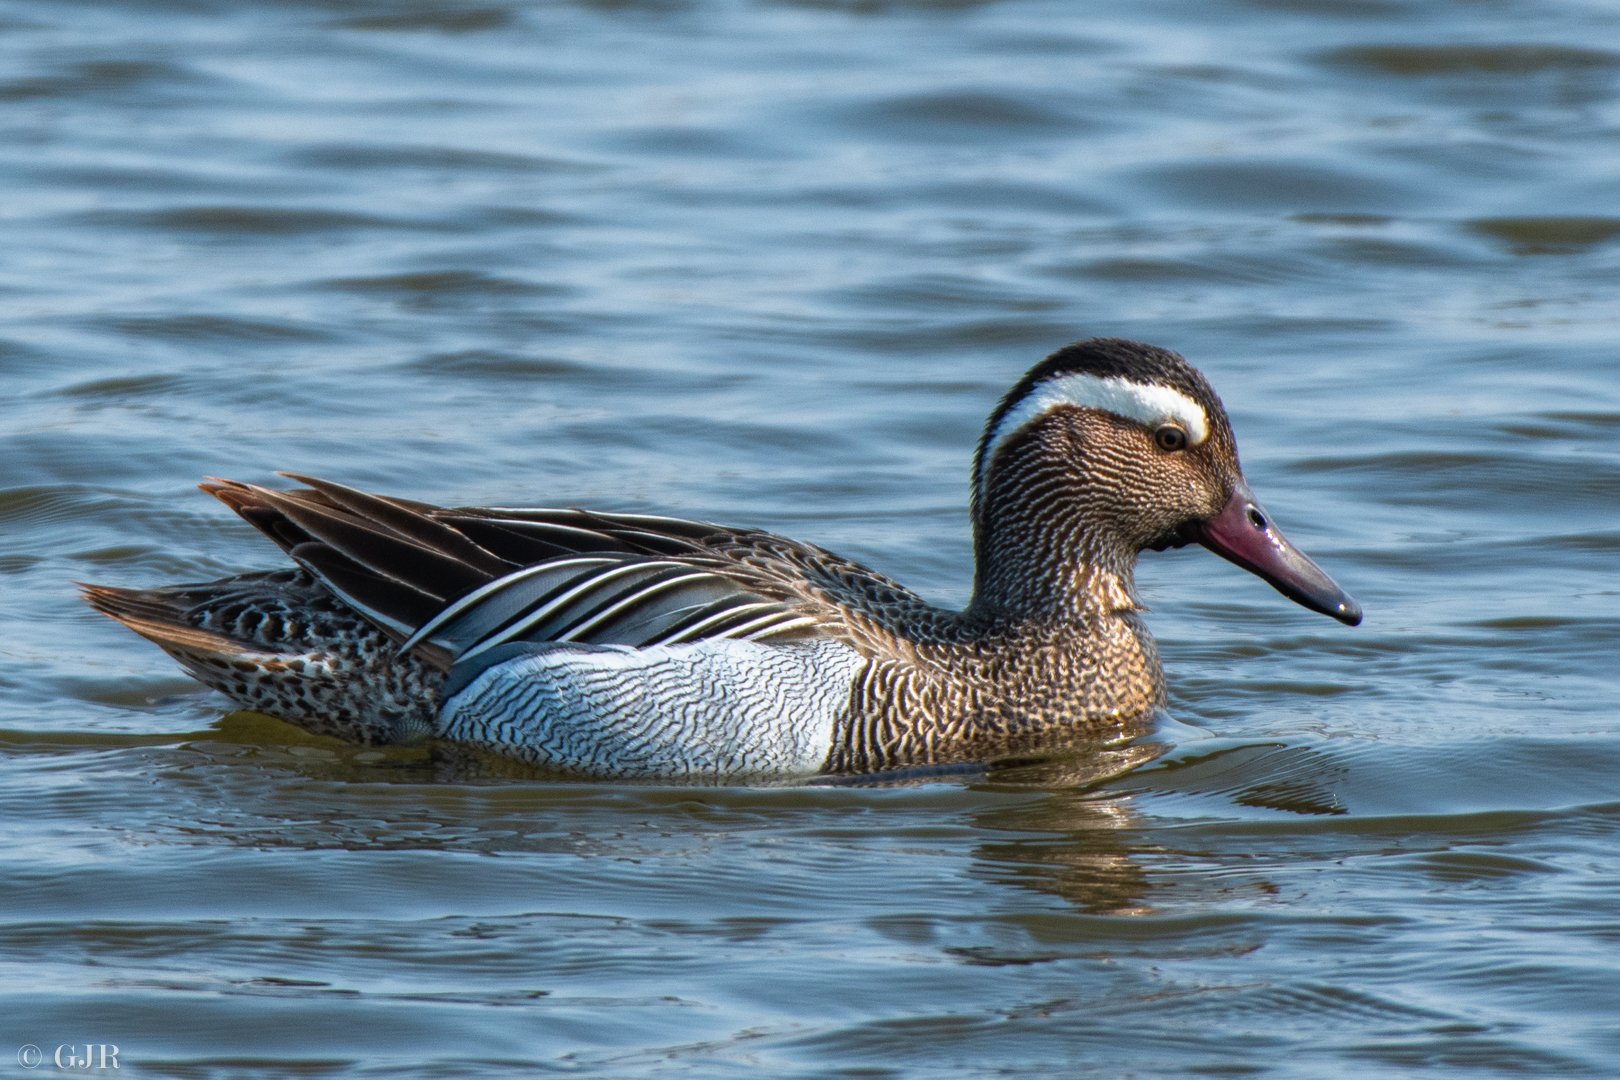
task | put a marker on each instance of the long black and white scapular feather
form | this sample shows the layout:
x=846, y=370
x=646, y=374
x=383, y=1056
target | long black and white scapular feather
x=533, y=575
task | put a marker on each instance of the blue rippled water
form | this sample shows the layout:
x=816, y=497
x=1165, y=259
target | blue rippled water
x=772, y=263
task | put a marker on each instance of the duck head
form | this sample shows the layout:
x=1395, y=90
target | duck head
x=1108, y=448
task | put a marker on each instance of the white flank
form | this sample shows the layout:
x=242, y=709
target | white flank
x=725, y=709
x=1151, y=405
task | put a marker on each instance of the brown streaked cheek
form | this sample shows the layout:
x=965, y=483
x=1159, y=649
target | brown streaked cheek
x=1206, y=495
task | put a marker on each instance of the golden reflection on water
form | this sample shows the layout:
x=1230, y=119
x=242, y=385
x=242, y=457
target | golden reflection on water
x=1089, y=863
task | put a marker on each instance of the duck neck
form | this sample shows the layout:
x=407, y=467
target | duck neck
x=1043, y=560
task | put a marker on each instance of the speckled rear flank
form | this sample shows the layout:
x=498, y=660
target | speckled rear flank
x=280, y=643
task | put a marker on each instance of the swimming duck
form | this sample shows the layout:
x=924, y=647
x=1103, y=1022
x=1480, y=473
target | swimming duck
x=629, y=645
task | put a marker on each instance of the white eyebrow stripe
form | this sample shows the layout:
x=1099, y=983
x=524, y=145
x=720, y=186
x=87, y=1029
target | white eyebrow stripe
x=1145, y=403
x=1132, y=400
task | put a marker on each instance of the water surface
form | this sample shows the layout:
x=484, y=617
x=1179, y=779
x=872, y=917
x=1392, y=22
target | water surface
x=772, y=263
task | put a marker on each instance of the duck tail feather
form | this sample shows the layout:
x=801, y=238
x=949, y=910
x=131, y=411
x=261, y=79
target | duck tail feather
x=158, y=619
x=133, y=603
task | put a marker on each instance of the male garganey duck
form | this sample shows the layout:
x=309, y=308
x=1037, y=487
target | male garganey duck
x=635, y=646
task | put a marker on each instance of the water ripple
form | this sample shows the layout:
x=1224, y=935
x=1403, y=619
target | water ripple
x=772, y=264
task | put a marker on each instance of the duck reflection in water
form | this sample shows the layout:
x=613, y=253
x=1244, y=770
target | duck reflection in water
x=1092, y=846
x=1078, y=847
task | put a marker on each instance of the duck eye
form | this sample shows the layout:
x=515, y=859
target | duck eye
x=1170, y=438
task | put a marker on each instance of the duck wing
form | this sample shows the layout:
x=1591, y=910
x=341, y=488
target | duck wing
x=469, y=584
x=842, y=599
